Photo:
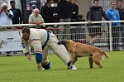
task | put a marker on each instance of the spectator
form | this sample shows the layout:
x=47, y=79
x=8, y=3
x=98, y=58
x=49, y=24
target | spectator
x=47, y=12
x=74, y=18
x=79, y=32
x=113, y=14
x=5, y=18
x=74, y=10
x=120, y=9
x=17, y=13
x=64, y=13
x=6, y=15
x=95, y=13
x=64, y=10
x=36, y=18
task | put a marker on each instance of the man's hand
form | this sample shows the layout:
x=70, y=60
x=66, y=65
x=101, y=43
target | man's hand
x=29, y=57
x=6, y=11
x=40, y=22
x=89, y=21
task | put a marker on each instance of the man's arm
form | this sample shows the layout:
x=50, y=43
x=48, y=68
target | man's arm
x=25, y=46
x=26, y=49
x=89, y=13
x=9, y=13
x=105, y=16
x=41, y=20
x=43, y=13
x=20, y=16
x=36, y=43
x=107, y=13
x=118, y=18
x=31, y=20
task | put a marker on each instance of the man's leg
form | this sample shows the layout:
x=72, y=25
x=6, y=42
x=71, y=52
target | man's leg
x=93, y=40
x=62, y=53
x=115, y=35
x=96, y=35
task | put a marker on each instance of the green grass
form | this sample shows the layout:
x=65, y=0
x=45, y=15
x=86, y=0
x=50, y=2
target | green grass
x=18, y=69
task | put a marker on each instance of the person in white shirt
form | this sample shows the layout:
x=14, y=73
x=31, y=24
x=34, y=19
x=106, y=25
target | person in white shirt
x=36, y=18
x=5, y=15
x=41, y=40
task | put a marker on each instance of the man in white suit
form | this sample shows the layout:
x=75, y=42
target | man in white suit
x=41, y=40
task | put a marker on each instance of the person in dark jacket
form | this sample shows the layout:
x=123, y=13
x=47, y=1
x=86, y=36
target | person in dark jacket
x=47, y=12
x=17, y=13
x=75, y=29
x=95, y=13
x=64, y=9
x=120, y=9
x=74, y=10
x=64, y=14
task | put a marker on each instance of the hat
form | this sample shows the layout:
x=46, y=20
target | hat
x=12, y=1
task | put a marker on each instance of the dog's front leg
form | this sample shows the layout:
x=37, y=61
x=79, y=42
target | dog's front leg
x=72, y=59
x=75, y=59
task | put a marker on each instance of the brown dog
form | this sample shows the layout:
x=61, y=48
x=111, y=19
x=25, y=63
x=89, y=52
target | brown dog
x=77, y=49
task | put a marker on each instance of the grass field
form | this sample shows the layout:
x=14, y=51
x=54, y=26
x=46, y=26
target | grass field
x=18, y=69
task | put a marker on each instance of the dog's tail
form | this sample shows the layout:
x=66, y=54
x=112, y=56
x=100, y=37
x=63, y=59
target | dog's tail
x=106, y=55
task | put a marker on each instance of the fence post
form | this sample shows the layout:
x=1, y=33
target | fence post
x=110, y=34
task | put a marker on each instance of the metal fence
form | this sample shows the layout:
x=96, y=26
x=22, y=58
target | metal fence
x=82, y=34
x=111, y=36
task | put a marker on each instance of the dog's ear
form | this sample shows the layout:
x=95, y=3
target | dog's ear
x=61, y=43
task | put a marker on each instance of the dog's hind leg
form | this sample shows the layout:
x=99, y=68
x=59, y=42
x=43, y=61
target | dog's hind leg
x=90, y=61
x=98, y=63
x=96, y=59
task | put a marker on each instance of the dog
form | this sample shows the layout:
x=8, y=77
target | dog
x=77, y=49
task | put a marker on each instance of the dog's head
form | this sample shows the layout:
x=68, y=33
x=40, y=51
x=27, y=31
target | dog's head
x=65, y=42
x=62, y=43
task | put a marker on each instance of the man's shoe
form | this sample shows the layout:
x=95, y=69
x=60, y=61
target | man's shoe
x=43, y=69
x=74, y=67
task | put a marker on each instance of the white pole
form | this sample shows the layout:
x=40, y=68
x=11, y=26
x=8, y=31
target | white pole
x=110, y=35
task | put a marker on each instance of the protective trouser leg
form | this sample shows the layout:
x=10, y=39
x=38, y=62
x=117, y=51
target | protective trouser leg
x=61, y=52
